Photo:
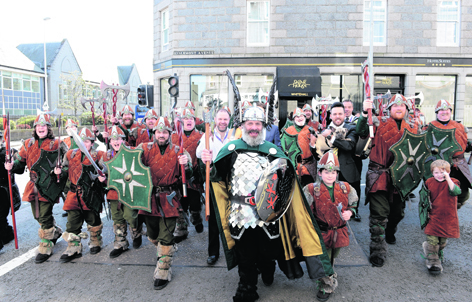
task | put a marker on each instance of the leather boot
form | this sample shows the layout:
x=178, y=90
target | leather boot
x=378, y=247
x=46, y=244
x=137, y=236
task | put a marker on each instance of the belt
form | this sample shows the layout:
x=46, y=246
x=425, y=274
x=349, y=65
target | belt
x=73, y=188
x=460, y=156
x=250, y=200
x=377, y=167
x=324, y=227
x=161, y=189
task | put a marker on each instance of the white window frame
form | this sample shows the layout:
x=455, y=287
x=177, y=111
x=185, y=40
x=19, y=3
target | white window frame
x=441, y=39
x=165, y=30
x=377, y=20
x=264, y=43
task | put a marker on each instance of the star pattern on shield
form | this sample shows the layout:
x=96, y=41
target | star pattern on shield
x=412, y=153
x=133, y=183
x=438, y=144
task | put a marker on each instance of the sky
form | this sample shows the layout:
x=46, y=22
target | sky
x=103, y=34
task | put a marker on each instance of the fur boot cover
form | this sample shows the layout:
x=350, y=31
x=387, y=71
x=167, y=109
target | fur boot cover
x=46, y=244
x=328, y=284
x=120, y=231
x=195, y=217
x=378, y=246
x=181, y=227
x=135, y=233
x=73, y=243
x=163, y=269
x=95, y=235
x=431, y=254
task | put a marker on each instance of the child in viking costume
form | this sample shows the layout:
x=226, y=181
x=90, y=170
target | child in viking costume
x=84, y=199
x=443, y=220
x=191, y=137
x=333, y=203
x=163, y=158
x=120, y=213
x=69, y=141
x=41, y=204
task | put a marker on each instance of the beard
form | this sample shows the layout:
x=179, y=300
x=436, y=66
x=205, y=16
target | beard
x=253, y=141
x=128, y=122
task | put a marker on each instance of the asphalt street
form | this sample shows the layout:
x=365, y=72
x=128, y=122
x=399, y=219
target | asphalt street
x=404, y=277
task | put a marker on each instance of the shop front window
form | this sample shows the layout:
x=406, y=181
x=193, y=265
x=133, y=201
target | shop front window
x=254, y=88
x=468, y=102
x=343, y=87
x=435, y=88
x=205, y=89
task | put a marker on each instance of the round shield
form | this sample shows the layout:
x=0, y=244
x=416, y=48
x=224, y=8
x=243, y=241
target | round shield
x=275, y=190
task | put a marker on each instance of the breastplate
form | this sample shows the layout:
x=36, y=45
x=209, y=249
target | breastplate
x=245, y=175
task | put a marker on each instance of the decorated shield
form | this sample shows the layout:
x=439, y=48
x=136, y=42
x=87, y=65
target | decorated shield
x=424, y=206
x=291, y=147
x=443, y=144
x=46, y=182
x=92, y=190
x=408, y=168
x=131, y=179
x=275, y=190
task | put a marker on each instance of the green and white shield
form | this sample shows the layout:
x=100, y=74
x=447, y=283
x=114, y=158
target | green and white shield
x=46, y=183
x=443, y=144
x=290, y=146
x=131, y=179
x=408, y=167
x=424, y=206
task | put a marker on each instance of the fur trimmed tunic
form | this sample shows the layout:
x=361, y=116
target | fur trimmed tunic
x=444, y=221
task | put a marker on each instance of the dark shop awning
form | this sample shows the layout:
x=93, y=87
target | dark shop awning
x=295, y=82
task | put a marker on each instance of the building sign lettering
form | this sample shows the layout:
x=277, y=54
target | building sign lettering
x=196, y=52
x=299, y=84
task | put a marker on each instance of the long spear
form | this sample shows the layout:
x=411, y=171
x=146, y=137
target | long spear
x=6, y=128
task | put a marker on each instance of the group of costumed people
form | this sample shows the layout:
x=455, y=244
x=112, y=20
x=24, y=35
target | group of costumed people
x=276, y=197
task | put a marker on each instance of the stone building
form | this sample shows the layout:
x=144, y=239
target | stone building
x=419, y=46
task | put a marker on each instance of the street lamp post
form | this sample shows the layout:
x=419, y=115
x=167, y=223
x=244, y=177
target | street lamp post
x=46, y=103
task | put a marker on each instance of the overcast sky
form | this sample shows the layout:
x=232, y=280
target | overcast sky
x=103, y=34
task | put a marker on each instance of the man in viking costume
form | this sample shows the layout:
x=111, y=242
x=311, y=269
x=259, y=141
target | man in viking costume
x=309, y=113
x=332, y=202
x=127, y=125
x=253, y=237
x=145, y=134
x=192, y=202
x=41, y=205
x=120, y=213
x=84, y=199
x=459, y=167
x=385, y=204
x=164, y=160
x=6, y=230
x=299, y=135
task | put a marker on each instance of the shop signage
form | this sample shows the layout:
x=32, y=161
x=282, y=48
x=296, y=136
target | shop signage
x=194, y=52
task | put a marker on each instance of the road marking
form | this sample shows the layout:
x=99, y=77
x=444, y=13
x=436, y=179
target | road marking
x=14, y=263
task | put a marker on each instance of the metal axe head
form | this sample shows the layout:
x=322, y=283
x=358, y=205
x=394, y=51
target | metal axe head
x=83, y=101
x=104, y=87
